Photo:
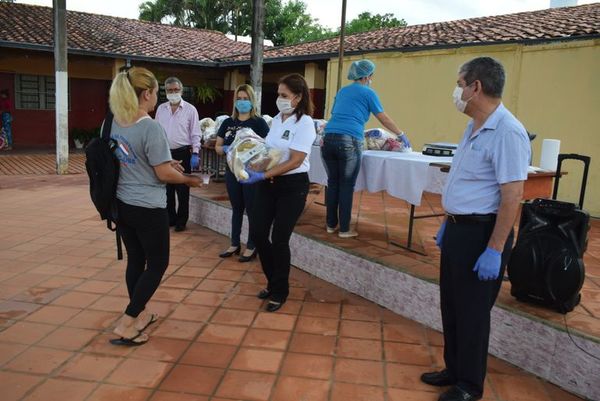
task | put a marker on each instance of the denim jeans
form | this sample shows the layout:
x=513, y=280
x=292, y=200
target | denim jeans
x=241, y=197
x=341, y=156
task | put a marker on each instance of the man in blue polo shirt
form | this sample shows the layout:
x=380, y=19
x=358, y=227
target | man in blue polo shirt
x=481, y=199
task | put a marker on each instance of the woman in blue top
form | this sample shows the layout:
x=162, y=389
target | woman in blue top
x=343, y=142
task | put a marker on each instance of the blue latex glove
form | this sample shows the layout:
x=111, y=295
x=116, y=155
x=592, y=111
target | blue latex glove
x=404, y=139
x=225, y=148
x=440, y=234
x=254, y=177
x=195, y=161
x=488, y=264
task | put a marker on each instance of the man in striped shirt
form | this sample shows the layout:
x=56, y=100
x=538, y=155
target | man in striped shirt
x=180, y=121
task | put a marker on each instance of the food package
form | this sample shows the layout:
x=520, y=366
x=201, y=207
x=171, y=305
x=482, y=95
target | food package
x=380, y=139
x=249, y=152
x=207, y=129
x=320, y=126
x=268, y=119
x=219, y=120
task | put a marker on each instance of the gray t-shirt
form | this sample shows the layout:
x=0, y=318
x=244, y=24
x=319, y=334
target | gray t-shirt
x=141, y=147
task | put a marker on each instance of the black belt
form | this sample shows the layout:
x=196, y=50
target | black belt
x=182, y=149
x=470, y=218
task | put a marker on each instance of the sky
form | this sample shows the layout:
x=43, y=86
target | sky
x=328, y=12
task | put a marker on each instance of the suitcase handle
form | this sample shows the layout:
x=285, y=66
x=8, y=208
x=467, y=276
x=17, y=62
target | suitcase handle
x=586, y=166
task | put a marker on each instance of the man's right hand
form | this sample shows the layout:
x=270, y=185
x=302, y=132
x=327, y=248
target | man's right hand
x=440, y=234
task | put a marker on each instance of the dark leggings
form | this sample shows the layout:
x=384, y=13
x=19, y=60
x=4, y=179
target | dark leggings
x=277, y=206
x=145, y=233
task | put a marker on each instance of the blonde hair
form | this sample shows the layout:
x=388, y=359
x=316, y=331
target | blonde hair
x=125, y=91
x=248, y=89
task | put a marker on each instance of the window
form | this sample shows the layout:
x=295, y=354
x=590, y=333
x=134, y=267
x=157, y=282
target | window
x=35, y=92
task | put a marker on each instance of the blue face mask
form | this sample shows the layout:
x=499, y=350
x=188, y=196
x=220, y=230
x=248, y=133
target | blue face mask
x=243, y=106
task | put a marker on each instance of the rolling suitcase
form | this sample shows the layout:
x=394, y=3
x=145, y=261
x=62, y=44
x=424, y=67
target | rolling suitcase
x=546, y=264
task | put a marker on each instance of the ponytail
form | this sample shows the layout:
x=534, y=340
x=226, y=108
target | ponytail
x=125, y=91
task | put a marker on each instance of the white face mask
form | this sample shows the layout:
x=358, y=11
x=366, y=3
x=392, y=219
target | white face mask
x=460, y=104
x=174, y=98
x=284, y=105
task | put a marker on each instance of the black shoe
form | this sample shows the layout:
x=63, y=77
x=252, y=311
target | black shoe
x=458, y=394
x=263, y=294
x=441, y=378
x=180, y=227
x=248, y=258
x=227, y=254
x=272, y=306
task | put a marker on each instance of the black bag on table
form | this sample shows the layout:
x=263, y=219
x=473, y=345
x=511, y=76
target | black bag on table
x=102, y=167
x=546, y=265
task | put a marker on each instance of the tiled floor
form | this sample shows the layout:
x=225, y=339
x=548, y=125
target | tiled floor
x=61, y=290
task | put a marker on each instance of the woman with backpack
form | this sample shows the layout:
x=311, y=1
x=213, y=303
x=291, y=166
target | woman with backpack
x=145, y=169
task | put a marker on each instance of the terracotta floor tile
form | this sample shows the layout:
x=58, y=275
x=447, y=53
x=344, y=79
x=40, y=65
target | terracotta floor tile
x=311, y=366
x=243, y=302
x=518, y=388
x=207, y=354
x=64, y=283
x=434, y=337
x=296, y=388
x=52, y=314
x=178, y=329
x=139, y=372
x=177, y=396
x=89, y=367
x=313, y=344
x=406, y=377
x=370, y=313
x=359, y=372
x=9, y=350
x=204, y=298
x=317, y=325
x=96, y=320
x=192, y=379
x=100, y=345
x=26, y=332
x=61, y=390
x=356, y=392
x=181, y=282
x=233, y=317
x=97, y=286
x=321, y=309
x=246, y=386
x=14, y=385
x=111, y=392
x=68, y=338
x=396, y=394
x=558, y=394
x=161, y=349
x=274, y=321
x=228, y=275
x=411, y=354
x=188, y=271
x=406, y=333
x=110, y=303
x=39, y=360
x=359, y=349
x=75, y=299
x=264, y=338
x=222, y=334
x=196, y=313
x=170, y=294
x=16, y=310
x=357, y=329
x=257, y=360
x=39, y=295
x=216, y=285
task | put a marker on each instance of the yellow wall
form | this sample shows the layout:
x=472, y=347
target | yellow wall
x=554, y=90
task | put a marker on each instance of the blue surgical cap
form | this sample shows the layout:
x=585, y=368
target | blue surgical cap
x=360, y=69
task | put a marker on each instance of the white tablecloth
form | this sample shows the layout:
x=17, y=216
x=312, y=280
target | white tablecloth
x=403, y=175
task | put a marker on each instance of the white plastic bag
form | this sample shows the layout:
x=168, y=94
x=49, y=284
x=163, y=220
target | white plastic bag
x=249, y=152
x=268, y=119
x=380, y=139
x=219, y=120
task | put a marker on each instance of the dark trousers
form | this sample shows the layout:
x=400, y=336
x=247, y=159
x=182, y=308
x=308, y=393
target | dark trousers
x=145, y=233
x=241, y=197
x=466, y=302
x=341, y=156
x=179, y=216
x=277, y=204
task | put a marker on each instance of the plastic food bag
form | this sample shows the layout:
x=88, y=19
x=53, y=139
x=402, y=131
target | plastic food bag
x=207, y=128
x=219, y=120
x=249, y=152
x=380, y=139
x=268, y=119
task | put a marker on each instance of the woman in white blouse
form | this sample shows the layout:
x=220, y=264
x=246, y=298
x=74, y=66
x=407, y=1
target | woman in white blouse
x=281, y=192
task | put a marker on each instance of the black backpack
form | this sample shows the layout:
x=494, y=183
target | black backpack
x=102, y=168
